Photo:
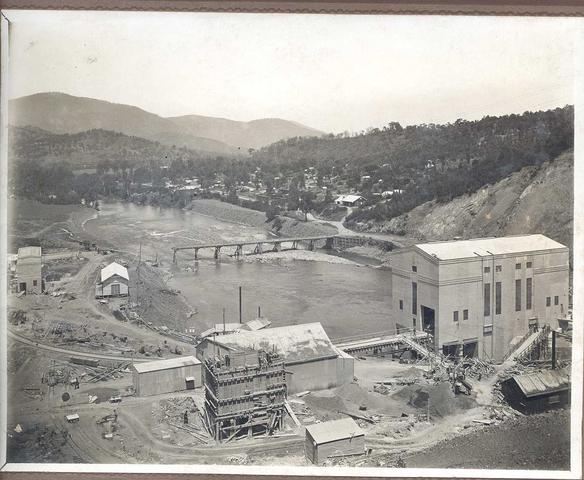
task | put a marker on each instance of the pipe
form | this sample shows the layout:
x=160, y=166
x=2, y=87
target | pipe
x=240, y=305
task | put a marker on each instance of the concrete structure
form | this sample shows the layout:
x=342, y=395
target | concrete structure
x=29, y=270
x=476, y=297
x=350, y=200
x=165, y=376
x=113, y=282
x=332, y=439
x=538, y=391
x=312, y=361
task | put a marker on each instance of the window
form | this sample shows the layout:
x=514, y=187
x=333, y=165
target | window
x=487, y=269
x=414, y=298
x=34, y=283
x=556, y=300
x=498, y=268
x=414, y=268
x=517, y=295
x=548, y=301
x=487, y=330
x=528, y=264
x=487, y=300
x=517, y=266
x=401, y=304
x=455, y=315
x=465, y=314
x=528, y=293
x=498, y=298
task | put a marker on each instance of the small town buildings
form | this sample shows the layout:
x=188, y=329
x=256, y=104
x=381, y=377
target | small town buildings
x=114, y=280
x=165, y=376
x=312, y=361
x=29, y=270
x=476, y=297
x=350, y=200
x=332, y=439
x=538, y=391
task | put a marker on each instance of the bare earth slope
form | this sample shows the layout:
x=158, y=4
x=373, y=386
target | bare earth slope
x=532, y=200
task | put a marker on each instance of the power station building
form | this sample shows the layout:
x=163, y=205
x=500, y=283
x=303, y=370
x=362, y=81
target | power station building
x=29, y=270
x=311, y=361
x=477, y=297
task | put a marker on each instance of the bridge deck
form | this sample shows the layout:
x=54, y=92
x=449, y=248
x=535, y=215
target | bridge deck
x=255, y=242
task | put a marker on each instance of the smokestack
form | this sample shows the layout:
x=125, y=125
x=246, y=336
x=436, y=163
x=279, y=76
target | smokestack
x=240, y=321
x=259, y=311
x=553, y=349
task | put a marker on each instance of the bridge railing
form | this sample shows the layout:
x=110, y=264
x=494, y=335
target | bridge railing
x=366, y=336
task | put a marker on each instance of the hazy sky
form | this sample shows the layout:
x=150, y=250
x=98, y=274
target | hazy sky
x=333, y=73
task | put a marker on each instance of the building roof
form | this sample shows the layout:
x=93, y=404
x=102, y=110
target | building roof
x=543, y=382
x=349, y=198
x=489, y=246
x=112, y=269
x=167, y=364
x=29, y=252
x=333, y=430
x=256, y=324
x=294, y=342
x=218, y=328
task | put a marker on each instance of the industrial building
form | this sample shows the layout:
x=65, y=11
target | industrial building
x=538, y=391
x=245, y=394
x=312, y=361
x=350, y=200
x=165, y=376
x=333, y=439
x=29, y=270
x=477, y=297
x=114, y=280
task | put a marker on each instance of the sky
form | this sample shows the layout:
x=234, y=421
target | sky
x=332, y=72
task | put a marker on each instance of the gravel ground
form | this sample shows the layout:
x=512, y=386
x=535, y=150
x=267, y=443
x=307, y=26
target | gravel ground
x=535, y=442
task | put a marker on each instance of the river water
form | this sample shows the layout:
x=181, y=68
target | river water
x=348, y=299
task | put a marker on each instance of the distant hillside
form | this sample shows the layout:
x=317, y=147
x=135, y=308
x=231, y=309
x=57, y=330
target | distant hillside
x=88, y=149
x=536, y=199
x=254, y=134
x=66, y=114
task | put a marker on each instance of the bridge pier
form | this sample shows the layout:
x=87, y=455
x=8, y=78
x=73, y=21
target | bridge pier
x=330, y=243
x=217, y=252
x=294, y=245
x=239, y=251
x=277, y=247
x=258, y=250
x=196, y=253
x=174, y=256
x=311, y=245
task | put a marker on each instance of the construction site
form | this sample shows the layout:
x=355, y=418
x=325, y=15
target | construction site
x=100, y=373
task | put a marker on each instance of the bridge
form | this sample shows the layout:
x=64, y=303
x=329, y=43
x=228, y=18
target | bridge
x=373, y=342
x=329, y=242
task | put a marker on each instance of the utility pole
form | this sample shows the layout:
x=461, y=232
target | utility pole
x=428, y=409
x=553, y=349
x=224, y=320
x=240, y=315
x=138, y=275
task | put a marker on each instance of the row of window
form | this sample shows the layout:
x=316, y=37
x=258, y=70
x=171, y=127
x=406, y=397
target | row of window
x=499, y=268
x=464, y=315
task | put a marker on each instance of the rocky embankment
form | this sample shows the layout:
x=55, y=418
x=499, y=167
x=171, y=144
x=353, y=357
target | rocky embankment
x=536, y=199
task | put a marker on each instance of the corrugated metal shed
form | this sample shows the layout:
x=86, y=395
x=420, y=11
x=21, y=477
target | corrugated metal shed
x=165, y=364
x=543, y=382
x=294, y=342
x=334, y=430
x=112, y=269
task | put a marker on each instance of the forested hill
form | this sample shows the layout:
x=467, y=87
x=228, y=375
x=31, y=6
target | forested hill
x=93, y=147
x=429, y=162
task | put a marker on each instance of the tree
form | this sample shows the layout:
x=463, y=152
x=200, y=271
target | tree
x=306, y=203
x=272, y=212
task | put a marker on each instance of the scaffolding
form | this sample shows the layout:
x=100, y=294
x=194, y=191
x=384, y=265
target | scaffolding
x=245, y=394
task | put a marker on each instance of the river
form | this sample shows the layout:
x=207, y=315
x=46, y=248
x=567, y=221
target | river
x=348, y=299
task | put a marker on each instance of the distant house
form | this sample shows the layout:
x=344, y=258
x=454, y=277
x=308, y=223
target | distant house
x=114, y=280
x=391, y=193
x=350, y=200
x=29, y=270
x=333, y=439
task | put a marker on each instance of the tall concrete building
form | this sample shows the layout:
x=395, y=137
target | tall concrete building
x=477, y=297
x=29, y=270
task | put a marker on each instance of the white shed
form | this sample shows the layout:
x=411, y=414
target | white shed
x=114, y=280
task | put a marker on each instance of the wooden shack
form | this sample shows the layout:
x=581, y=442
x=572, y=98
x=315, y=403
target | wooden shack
x=113, y=282
x=335, y=438
x=166, y=376
x=538, y=391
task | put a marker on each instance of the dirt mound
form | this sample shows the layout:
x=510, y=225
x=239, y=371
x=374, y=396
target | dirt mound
x=442, y=399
